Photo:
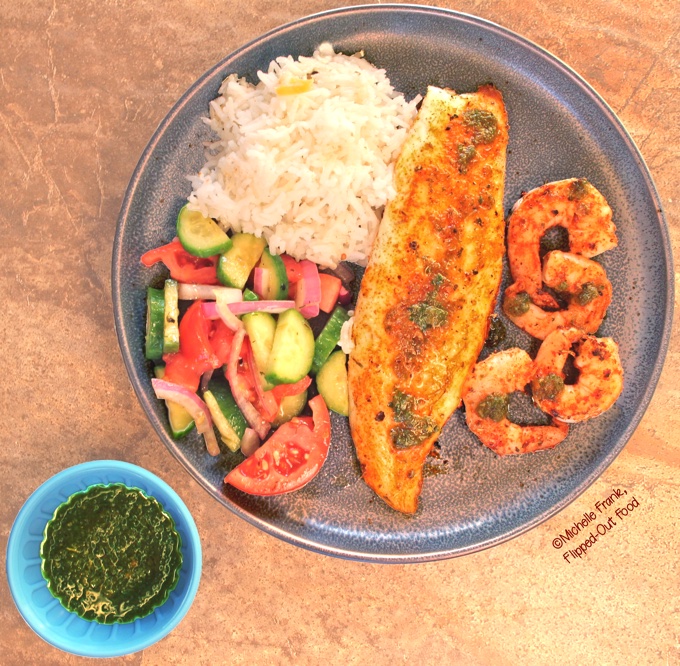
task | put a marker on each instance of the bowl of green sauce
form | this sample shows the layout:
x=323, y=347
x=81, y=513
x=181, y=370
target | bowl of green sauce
x=104, y=559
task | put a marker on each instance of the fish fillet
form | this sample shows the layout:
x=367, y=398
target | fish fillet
x=429, y=288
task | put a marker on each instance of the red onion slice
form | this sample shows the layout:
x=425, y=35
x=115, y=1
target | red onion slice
x=250, y=442
x=223, y=308
x=308, y=294
x=244, y=307
x=205, y=379
x=251, y=415
x=272, y=307
x=260, y=280
x=197, y=409
x=207, y=292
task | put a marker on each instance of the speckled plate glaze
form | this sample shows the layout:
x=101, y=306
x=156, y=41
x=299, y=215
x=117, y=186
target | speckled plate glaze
x=559, y=128
x=45, y=614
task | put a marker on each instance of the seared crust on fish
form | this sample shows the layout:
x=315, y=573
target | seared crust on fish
x=429, y=288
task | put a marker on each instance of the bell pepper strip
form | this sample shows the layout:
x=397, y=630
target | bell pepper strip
x=198, y=410
x=281, y=391
x=330, y=291
x=291, y=457
x=183, y=267
x=239, y=388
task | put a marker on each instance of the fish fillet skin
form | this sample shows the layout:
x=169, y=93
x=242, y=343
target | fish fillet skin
x=429, y=288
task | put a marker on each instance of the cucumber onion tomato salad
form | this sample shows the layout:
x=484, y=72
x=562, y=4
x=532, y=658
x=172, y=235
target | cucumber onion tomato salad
x=239, y=359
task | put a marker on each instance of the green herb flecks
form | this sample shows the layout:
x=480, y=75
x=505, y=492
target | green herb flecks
x=578, y=189
x=466, y=153
x=411, y=429
x=427, y=315
x=497, y=332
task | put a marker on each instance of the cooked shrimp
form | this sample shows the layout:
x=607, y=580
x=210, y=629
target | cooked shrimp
x=600, y=379
x=486, y=405
x=582, y=282
x=574, y=204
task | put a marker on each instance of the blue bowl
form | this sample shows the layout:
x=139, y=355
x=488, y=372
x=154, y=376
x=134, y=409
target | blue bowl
x=45, y=614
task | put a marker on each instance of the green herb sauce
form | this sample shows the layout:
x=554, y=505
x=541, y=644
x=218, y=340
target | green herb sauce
x=427, y=315
x=495, y=407
x=548, y=387
x=411, y=429
x=518, y=304
x=589, y=292
x=430, y=313
x=484, y=124
x=111, y=554
x=465, y=156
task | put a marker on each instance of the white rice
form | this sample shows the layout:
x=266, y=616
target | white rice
x=310, y=171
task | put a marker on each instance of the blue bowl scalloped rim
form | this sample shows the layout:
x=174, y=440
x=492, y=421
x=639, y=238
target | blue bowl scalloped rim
x=560, y=128
x=43, y=612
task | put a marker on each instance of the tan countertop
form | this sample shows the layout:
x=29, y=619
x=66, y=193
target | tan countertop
x=82, y=87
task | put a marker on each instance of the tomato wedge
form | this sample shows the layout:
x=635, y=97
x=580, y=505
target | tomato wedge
x=180, y=370
x=221, y=340
x=293, y=268
x=290, y=458
x=194, y=339
x=184, y=267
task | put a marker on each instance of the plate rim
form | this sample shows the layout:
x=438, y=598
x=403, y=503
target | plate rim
x=642, y=169
x=17, y=539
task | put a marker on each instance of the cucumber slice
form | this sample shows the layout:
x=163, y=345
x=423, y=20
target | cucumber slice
x=238, y=261
x=331, y=381
x=249, y=295
x=276, y=288
x=171, y=318
x=155, y=316
x=200, y=235
x=260, y=327
x=292, y=351
x=291, y=405
x=222, y=394
x=227, y=433
x=180, y=420
x=329, y=337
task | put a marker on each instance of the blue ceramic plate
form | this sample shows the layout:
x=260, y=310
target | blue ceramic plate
x=43, y=612
x=559, y=128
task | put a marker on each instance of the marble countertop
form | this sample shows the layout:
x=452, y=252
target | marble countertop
x=83, y=85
